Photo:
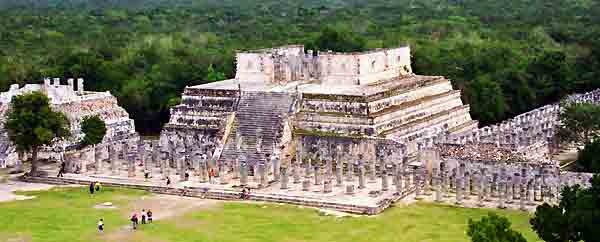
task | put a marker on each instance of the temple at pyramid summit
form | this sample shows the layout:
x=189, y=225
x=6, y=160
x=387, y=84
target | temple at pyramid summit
x=282, y=99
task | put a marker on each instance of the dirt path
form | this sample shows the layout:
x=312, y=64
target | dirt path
x=162, y=207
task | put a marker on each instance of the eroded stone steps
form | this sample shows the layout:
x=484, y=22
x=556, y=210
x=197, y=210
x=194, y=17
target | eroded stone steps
x=259, y=114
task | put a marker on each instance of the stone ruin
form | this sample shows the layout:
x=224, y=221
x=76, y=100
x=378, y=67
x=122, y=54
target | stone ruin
x=76, y=103
x=358, y=128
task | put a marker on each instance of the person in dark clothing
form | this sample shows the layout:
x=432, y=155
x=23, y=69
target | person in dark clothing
x=168, y=181
x=91, y=187
x=61, y=170
x=143, y=216
x=149, y=215
x=134, y=221
x=101, y=225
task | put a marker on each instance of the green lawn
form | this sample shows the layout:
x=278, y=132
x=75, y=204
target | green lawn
x=68, y=215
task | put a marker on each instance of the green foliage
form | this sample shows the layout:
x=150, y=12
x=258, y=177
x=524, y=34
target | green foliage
x=94, y=129
x=487, y=99
x=579, y=123
x=338, y=39
x=493, y=228
x=576, y=217
x=213, y=75
x=588, y=159
x=31, y=123
x=146, y=52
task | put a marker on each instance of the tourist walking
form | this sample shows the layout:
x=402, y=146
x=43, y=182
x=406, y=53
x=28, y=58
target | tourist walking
x=100, y=226
x=143, y=216
x=211, y=174
x=146, y=174
x=61, y=170
x=168, y=181
x=149, y=215
x=134, y=221
x=91, y=187
x=97, y=185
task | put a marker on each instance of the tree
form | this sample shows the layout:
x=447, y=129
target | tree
x=94, y=129
x=214, y=75
x=338, y=39
x=493, y=228
x=575, y=218
x=486, y=99
x=579, y=124
x=588, y=159
x=31, y=124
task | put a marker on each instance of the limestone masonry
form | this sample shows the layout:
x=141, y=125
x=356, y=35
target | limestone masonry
x=347, y=131
x=75, y=103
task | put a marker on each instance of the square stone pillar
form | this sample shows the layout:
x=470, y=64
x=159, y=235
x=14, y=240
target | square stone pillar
x=349, y=171
x=131, y=166
x=361, y=176
x=308, y=168
x=384, y=180
x=276, y=168
x=339, y=181
x=318, y=175
x=306, y=185
x=372, y=172
x=114, y=159
x=243, y=174
x=327, y=187
x=262, y=169
x=296, y=172
x=284, y=178
x=459, y=190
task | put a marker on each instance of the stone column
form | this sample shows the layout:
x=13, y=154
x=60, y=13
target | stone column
x=131, y=166
x=263, y=174
x=361, y=176
x=306, y=185
x=114, y=159
x=181, y=163
x=349, y=171
x=276, y=168
x=243, y=173
x=417, y=183
x=82, y=161
x=372, y=172
x=522, y=197
x=467, y=180
x=530, y=195
x=236, y=169
x=437, y=184
x=308, y=168
x=394, y=174
x=488, y=189
x=501, y=194
x=317, y=174
x=350, y=189
x=296, y=172
x=481, y=190
x=339, y=182
x=327, y=188
x=99, y=165
x=384, y=180
x=509, y=190
x=284, y=178
x=459, y=190
x=204, y=171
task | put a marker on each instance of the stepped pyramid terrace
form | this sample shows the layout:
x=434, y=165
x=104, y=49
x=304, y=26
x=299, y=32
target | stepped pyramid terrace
x=76, y=103
x=353, y=132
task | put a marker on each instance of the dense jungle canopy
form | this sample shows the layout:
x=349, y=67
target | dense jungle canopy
x=507, y=56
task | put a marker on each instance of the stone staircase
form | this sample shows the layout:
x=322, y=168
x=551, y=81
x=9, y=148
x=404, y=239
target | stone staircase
x=259, y=114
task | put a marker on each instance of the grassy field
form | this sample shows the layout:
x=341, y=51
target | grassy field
x=68, y=214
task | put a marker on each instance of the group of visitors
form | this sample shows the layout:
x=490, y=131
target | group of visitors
x=145, y=216
x=95, y=186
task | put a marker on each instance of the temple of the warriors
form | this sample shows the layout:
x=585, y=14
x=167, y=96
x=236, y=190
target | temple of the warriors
x=353, y=132
x=76, y=103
